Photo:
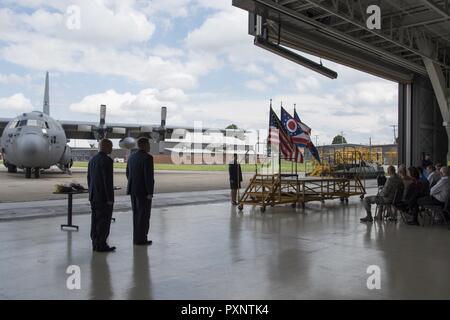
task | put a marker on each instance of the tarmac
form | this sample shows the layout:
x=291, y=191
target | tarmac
x=15, y=188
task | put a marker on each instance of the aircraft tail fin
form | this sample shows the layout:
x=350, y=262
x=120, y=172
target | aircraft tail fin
x=46, y=107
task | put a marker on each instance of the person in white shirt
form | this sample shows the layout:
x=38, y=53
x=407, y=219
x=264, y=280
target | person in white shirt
x=442, y=189
x=439, y=194
x=434, y=175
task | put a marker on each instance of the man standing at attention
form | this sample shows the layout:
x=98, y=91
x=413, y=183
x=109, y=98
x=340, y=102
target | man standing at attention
x=235, y=174
x=141, y=180
x=101, y=196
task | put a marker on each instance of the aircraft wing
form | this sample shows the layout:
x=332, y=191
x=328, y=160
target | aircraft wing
x=87, y=130
x=3, y=123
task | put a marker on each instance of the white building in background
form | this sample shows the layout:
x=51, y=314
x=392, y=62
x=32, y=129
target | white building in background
x=189, y=147
x=214, y=147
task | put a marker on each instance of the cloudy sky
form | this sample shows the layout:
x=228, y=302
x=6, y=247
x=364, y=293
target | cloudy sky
x=193, y=56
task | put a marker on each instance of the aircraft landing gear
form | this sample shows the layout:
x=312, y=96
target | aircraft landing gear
x=28, y=173
x=37, y=173
x=11, y=168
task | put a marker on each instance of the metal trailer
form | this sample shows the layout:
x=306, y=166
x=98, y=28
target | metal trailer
x=276, y=189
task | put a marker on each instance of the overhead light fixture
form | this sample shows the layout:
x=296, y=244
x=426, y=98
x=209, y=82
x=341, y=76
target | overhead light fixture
x=294, y=57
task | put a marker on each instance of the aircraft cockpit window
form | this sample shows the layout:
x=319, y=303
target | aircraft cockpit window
x=13, y=124
x=33, y=123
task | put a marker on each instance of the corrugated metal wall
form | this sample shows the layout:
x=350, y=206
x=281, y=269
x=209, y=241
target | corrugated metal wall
x=427, y=135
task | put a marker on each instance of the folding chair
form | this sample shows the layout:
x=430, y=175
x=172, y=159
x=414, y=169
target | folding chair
x=443, y=211
x=381, y=181
x=398, y=204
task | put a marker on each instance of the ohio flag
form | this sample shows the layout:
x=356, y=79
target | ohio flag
x=299, y=132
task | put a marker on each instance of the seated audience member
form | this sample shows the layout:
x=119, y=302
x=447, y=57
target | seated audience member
x=381, y=180
x=426, y=161
x=402, y=171
x=438, y=196
x=412, y=191
x=385, y=196
x=407, y=180
x=433, y=175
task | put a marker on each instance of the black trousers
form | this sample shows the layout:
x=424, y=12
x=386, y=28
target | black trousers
x=100, y=223
x=141, y=217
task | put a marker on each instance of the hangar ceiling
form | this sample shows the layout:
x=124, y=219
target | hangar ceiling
x=412, y=33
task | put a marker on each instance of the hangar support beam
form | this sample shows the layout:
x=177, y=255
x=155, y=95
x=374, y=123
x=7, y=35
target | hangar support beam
x=440, y=88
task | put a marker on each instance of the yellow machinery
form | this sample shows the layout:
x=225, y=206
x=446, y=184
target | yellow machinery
x=344, y=160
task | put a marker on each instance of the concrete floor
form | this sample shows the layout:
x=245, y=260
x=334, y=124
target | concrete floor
x=211, y=251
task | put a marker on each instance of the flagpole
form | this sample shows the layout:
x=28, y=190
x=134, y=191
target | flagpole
x=279, y=151
x=298, y=150
x=270, y=144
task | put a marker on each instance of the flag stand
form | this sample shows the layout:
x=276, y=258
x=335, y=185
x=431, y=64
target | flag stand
x=275, y=189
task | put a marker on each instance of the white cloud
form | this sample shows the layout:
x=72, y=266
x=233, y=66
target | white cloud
x=103, y=23
x=143, y=107
x=167, y=52
x=220, y=32
x=13, y=79
x=115, y=39
x=329, y=114
x=182, y=8
x=153, y=70
x=256, y=85
x=40, y=40
x=16, y=102
x=306, y=84
x=214, y=4
x=251, y=69
x=172, y=8
x=371, y=93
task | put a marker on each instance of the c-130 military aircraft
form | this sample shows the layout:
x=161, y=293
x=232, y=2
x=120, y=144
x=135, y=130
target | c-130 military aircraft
x=34, y=141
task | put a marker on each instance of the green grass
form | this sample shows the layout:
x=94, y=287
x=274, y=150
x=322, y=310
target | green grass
x=285, y=166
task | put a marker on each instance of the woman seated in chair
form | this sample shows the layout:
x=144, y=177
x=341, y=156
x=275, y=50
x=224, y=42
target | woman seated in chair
x=413, y=190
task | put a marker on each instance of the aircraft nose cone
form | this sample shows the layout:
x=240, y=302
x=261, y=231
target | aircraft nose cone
x=31, y=147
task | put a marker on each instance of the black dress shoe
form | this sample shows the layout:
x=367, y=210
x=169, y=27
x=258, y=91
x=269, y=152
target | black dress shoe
x=413, y=223
x=144, y=243
x=106, y=249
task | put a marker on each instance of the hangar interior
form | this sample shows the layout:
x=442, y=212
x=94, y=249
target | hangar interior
x=411, y=47
x=204, y=248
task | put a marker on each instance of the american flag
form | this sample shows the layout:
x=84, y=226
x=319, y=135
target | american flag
x=277, y=136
